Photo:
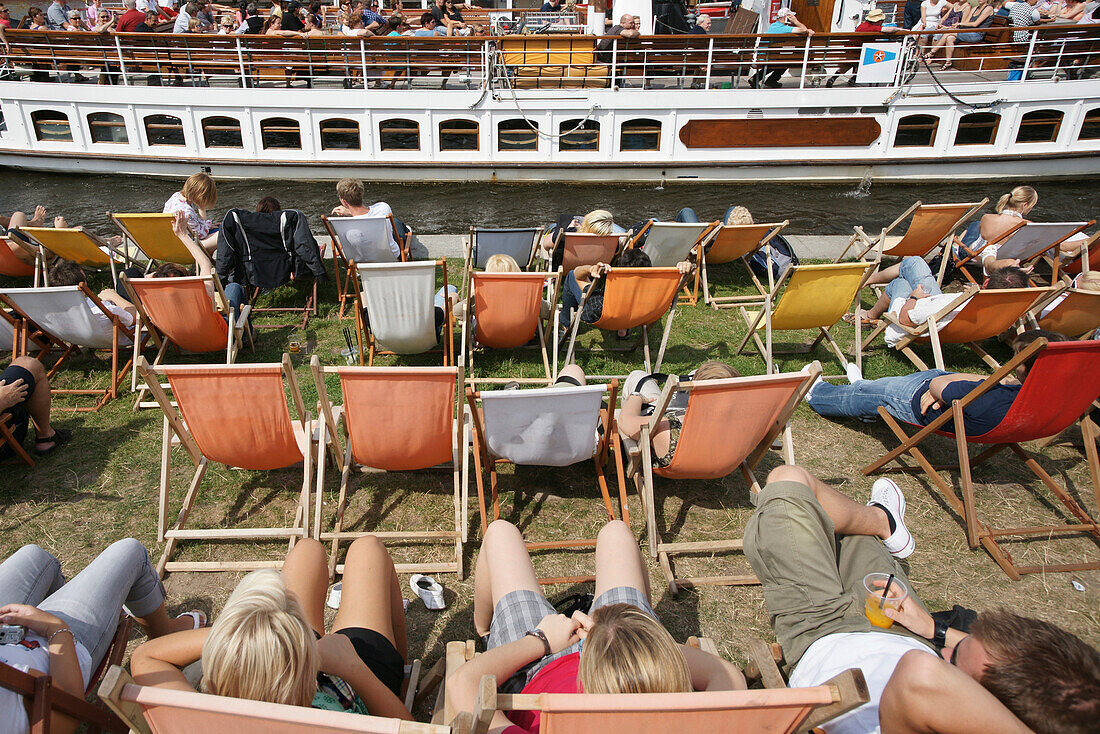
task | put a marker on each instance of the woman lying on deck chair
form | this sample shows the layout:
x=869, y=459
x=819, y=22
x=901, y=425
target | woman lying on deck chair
x=269, y=642
x=532, y=648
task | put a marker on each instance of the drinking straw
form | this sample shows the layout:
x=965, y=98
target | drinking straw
x=347, y=339
x=885, y=590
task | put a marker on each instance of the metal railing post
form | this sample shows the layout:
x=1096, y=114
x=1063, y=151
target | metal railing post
x=240, y=64
x=614, y=60
x=363, y=61
x=121, y=63
x=710, y=59
x=805, y=63
x=1030, y=53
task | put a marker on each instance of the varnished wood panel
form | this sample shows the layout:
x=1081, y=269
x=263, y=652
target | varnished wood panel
x=817, y=14
x=790, y=132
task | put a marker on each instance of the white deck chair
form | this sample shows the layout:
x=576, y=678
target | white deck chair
x=399, y=301
x=362, y=240
x=669, y=243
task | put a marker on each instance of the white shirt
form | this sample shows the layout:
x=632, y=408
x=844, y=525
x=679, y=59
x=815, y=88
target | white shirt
x=147, y=5
x=920, y=313
x=382, y=209
x=13, y=714
x=875, y=653
x=124, y=317
x=932, y=13
x=182, y=21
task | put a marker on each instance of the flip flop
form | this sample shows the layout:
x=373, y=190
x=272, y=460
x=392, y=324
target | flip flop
x=197, y=616
x=60, y=436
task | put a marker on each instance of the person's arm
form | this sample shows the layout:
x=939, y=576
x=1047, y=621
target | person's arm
x=203, y=264
x=338, y=657
x=711, y=673
x=801, y=29
x=110, y=295
x=905, y=314
x=933, y=398
x=587, y=273
x=160, y=661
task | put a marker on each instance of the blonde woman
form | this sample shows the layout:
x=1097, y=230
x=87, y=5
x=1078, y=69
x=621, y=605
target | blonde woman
x=199, y=193
x=269, y=642
x=533, y=649
x=1010, y=210
x=597, y=221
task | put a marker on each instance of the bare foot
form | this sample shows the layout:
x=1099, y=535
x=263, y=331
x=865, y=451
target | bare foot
x=39, y=216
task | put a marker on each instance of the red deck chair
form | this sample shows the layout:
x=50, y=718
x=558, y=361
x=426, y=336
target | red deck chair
x=13, y=267
x=1059, y=388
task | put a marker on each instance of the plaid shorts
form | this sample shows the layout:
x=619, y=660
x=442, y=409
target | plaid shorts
x=519, y=611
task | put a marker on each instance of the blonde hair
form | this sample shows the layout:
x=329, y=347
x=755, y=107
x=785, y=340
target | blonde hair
x=200, y=190
x=261, y=648
x=739, y=215
x=501, y=264
x=1089, y=281
x=713, y=369
x=1019, y=198
x=628, y=651
x=597, y=222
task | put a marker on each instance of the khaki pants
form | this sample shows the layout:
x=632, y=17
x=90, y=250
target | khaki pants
x=813, y=580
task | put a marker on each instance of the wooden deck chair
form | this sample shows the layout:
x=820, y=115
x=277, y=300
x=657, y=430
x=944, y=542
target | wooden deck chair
x=728, y=426
x=584, y=248
x=816, y=297
x=930, y=226
x=13, y=267
x=383, y=432
x=1087, y=255
x=43, y=700
x=504, y=311
x=361, y=240
x=152, y=235
x=1053, y=397
x=517, y=243
x=730, y=242
x=550, y=426
x=82, y=247
x=1077, y=315
x=634, y=297
x=1035, y=239
x=68, y=322
x=149, y=710
x=965, y=257
x=668, y=243
x=7, y=437
x=180, y=311
x=398, y=299
x=234, y=415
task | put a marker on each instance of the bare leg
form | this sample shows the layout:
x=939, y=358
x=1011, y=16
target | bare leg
x=884, y=276
x=949, y=51
x=371, y=595
x=159, y=623
x=848, y=516
x=19, y=219
x=306, y=573
x=618, y=560
x=210, y=244
x=503, y=565
x=876, y=311
x=38, y=402
x=572, y=370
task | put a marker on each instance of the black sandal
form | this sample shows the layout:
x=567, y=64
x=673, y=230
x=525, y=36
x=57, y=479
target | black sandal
x=60, y=436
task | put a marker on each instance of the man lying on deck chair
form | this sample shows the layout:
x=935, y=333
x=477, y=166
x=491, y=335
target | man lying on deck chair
x=921, y=397
x=812, y=546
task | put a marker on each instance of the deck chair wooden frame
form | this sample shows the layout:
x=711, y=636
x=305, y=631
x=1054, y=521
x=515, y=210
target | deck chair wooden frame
x=484, y=460
x=12, y=267
x=1077, y=315
x=364, y=331
x=145, y=710
x=344, y=274
x=48, y=341
x=1079, y=262
x=334, y=416
x=79, y=245
x=651, y=313
x=962, y=256
x=235, y=330
x=682, y=250
x=585, y=248
x=474, y=258
x=8, y=438
x=931, y=226
x=1041, y=411
x=177, y=432
x=44, y=699
x=774, y=309
x=970, y=325
x=749, y=451
x=308, y=310
x=475, y=322
x=729, y=242
x=1029, y=252
x=152, y=235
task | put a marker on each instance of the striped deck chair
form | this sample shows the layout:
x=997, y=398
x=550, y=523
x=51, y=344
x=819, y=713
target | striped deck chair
x=1070, y=311
x=816, y=297
x=361, y=240
x=634, y=297
x=395, y=310
x=551, y=426
x=930, y=227
x=1053, y=397
x=182, y=314
x=517, y=243
x=68, y=320
x=668, y=243
x=728, y=426
x=731, y=242
x=381, y=432
x=82, y=247
x=584, y=248
x=152, y=235
x=234, y=415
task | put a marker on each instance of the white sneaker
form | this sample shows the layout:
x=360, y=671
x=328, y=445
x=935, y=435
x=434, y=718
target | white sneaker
x=888, y=496
x=853, y=372
x=334, y=595
x=429, y=591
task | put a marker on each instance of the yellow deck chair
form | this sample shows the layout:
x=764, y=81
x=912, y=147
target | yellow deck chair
x=1076, y=315
x=152, y=234
x=731, y=242
x=930, y=227
x=816, y=297
x=82, y=247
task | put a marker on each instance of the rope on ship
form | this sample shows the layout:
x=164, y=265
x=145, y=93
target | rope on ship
x=971, y=105
x=499, y=63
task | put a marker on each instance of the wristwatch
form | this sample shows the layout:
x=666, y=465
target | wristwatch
x=939, y=637
x=541, y=636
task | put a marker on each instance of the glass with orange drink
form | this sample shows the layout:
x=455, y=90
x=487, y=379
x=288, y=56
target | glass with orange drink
x=879, y=599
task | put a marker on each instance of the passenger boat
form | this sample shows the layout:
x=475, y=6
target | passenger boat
x=1025, y=102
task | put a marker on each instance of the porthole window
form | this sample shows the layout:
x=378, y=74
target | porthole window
x=458, y=135
x=51, y=126
x=399, y=134
x=640, y=135
x=107, y=127
x=916, y=131
x=280, y=132
x=579, y=135
x=517, y=134
x=1040, y=126
x=339, y=134
x=164, y=130
x=979, y=128
x=222, y=132
x=1090, y=128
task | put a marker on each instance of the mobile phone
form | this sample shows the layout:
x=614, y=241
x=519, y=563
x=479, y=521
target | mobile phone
x=11, y=633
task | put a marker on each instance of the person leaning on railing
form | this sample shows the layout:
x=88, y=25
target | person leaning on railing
x=873, y=23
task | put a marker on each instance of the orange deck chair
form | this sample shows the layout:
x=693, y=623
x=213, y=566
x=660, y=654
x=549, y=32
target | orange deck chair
x=931, y=226
x=728, y=426
x=584, y=248
x=234, y=415
x=1080, y=263
x=1072, y=311
x=11, y=266
x=383, y=431
x=46, y=703
x=360, y=240
x=82, y=247
x=979, y=315
x=634, y=297
x=731, y=242
x=1054, y=396
x=504, y=311
x=152, y=235
x=181, y=312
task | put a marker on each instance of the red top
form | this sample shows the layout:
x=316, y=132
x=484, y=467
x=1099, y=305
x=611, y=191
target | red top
x=559, y=676
x=129, y=21
x=866, y=27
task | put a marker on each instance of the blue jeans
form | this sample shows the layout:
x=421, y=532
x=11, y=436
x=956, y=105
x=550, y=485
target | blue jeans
x=91, y=602
x=913, y=271
x=234, y=293
x=687, y=214
x=571, y=295
x=862, y=398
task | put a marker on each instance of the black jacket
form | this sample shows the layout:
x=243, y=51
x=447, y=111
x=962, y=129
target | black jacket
x=263, y=249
